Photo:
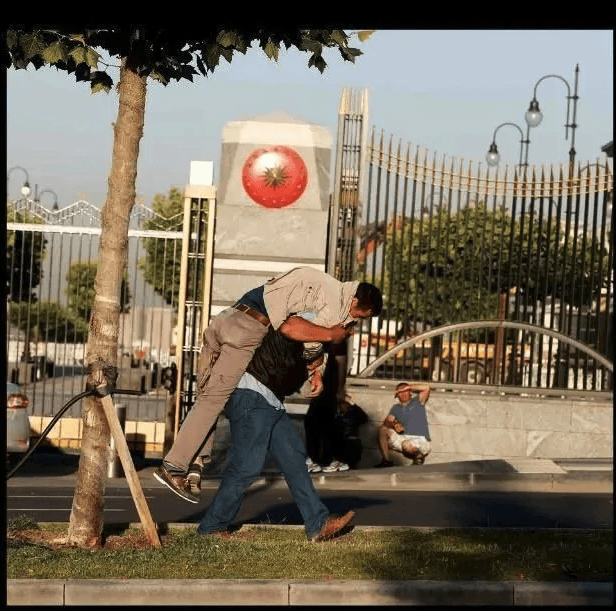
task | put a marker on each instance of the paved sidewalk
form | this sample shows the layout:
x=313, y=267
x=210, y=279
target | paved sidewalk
x=459, y=472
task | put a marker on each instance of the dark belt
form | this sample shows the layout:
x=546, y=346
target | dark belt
x=264, y=320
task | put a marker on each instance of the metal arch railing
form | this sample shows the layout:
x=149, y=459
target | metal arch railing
x=480, y=324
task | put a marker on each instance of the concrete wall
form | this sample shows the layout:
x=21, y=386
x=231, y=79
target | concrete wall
x=474, y=426
x=493, y=426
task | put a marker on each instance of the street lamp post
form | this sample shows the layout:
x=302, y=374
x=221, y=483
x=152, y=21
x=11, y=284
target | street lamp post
x=534, y=115
x=55, y=195
x=493, y=156
x=25, y=190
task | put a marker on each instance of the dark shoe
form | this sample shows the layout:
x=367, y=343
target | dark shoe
x=176, y=482
x=194, y=479
x=384, y=463
x=334, y=527
x=419, y=459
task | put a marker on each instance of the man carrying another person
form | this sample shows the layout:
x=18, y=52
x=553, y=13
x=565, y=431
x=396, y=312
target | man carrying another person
x=232, y=337
x=405, y=429
x=260, y=423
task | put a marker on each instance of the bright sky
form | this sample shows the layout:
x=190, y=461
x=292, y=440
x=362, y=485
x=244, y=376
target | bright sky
x=444, y=90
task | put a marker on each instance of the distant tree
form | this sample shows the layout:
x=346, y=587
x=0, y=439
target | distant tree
x=161, y=265
x=80, y=289
x=164, y=55
x=448, y=269
x=48, y=321
x=25, y=252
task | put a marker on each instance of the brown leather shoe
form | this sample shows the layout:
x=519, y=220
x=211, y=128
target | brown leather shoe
x=333, y=527
x=176, y=482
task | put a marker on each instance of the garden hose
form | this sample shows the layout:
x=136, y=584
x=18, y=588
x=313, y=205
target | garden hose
x=55, y=419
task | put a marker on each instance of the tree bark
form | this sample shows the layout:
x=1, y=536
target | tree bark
x=86, y=520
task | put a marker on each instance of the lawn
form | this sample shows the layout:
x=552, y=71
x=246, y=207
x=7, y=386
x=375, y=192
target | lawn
x=254, y=552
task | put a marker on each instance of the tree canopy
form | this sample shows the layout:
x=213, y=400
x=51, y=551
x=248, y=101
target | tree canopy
x=451, y=268
x=162, y=54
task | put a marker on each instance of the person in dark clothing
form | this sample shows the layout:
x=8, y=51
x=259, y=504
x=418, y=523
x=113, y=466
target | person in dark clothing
x=319, y=419
x=259, y=423
x=347, y=443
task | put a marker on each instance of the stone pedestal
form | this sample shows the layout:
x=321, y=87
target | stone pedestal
x=272, y=203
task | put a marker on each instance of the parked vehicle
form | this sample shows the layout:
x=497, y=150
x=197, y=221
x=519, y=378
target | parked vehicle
x=17, y=422
x=466, y=362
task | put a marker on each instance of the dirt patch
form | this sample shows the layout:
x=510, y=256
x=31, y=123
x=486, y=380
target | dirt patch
x=132, y=539
x=53, y=540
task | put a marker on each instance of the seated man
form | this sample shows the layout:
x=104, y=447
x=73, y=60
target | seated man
x=405, y=429
x=260, y=423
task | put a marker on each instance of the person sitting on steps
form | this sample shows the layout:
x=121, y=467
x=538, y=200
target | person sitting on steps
x=405, y=429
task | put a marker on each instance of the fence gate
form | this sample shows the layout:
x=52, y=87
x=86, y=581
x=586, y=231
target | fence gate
x=195, y=291
x=51, y=267
x=449, y=242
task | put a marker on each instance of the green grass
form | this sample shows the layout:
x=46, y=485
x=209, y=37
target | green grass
x=260, y=553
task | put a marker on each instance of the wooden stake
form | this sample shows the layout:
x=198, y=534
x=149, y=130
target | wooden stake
x=129, y=470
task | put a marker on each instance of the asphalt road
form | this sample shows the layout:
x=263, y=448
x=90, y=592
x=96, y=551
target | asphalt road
x=273, y=504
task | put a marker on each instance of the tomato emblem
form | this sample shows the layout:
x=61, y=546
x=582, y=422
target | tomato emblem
x=274, y=176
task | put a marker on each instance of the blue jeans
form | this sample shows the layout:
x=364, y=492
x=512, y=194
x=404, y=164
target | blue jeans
x=256, y=427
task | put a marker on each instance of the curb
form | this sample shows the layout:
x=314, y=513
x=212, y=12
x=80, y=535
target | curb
x=303, y=592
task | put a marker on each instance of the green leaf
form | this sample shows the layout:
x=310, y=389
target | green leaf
x=339, y=37
x=363, y=35
x=227, y=38
x=212, y=56
x=92, y=57
x=227, y=54
x=12, y=37
x=79, y=54
x=271, y=50
x=31, y=45
x=320, y=63
x=100, y=81
x=55, y=53
x=157, y=76
x=349, y=53
x=241, y=45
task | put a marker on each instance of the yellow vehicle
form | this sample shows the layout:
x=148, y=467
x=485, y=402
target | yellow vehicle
x=466, y=362
x=473, y=362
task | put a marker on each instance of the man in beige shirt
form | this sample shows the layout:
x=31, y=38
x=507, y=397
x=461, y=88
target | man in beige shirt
x=285, y=302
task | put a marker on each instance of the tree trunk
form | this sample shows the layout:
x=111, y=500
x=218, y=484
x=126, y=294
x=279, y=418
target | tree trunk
x=86, y=521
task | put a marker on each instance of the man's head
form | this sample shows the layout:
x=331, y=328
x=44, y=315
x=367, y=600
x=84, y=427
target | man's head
x=367, y=302
x=403, y=392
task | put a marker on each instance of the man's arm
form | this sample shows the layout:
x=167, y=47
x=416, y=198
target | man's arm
x=390, y=422
x=315, y=376
x=302, y=330
x=424, y=391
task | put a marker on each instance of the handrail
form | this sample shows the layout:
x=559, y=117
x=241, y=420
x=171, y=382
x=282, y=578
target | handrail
x=480, y=324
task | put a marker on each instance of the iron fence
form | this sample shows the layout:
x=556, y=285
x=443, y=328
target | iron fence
x=450, y=242
x=51, y=267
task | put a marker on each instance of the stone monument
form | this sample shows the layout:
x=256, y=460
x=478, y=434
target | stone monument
x=272, y=203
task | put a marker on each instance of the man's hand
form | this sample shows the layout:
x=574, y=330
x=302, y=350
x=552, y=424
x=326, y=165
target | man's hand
x=316, y=384
x=391, y=423
x=340, y=333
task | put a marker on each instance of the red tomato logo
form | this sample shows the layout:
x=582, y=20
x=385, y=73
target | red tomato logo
x=274, y=176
